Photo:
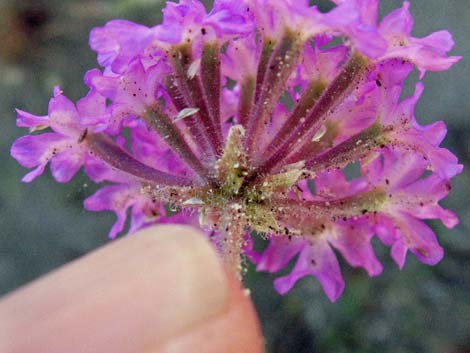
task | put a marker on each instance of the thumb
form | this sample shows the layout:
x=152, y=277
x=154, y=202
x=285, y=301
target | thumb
x=160, y=290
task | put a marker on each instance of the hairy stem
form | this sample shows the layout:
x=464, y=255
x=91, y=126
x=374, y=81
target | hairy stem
x=333, y=95
x=105, y=149
x=324, y=141
x=304, y=216
x=167, y=129
x=231, y=239
x=191, y=89
x=192, y=123
x=348, y=151
x=245, y=103
x=266, y=51
x=210, y=77
x=301, y=109
x=280, y=66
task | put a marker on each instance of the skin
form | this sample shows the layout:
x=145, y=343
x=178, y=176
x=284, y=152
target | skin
x=161, y=290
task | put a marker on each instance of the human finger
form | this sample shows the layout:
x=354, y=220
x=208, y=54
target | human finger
x=140, y=294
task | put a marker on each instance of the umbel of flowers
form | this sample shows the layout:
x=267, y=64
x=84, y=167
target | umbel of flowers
x=241, y=121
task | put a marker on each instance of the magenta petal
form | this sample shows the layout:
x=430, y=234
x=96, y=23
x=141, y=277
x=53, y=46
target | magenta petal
x=231, y=17
x=107, y=86
x=66, y=164
x=321, y=64
x=333, y=184
x=398, y=21
x=185, y=20
x=138, y=219
x=440, y=40
x=316, y=259
x=240, y=59
x=420, y=240
x=389, y=235
x=369, y=43
x=63, y=116
x=99, y=171
x=183, y=217
x=384, y=229
x=368, y=10
x=426, y=193
x=394, y=168
x=133, y=92
x=428, y=53
x=116, y=198
x=92, y=109
x=403, y=233
x=330, y=184
x=278, y=253
x=28, y=150
x=251, y=254
x=36, y=150
x=149, y=148
x=145, y=212
x=353, y=241
x=118, y=42
x=447, y=217
x=434, y=133
x=356, y=19
x=440, y=160
x=431, y=52
x=29, y=177
x=398, y=253
x=443, y=162
x=25, y=119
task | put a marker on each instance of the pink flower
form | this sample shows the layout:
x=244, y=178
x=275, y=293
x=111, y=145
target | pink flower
x=410, y=198
x=63, y=147
x=241, y=121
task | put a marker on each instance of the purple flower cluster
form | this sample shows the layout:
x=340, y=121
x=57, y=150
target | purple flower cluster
x=242, y=121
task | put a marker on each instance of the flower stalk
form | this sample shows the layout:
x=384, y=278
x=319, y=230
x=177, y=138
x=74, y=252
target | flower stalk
x=107, y=151
x=279, y=67
x=331, y=97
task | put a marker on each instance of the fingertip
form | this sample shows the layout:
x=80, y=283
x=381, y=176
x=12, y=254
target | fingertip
x=235, y=330
x=163, y=289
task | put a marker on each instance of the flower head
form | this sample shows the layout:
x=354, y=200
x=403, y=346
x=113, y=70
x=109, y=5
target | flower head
x=241, y=121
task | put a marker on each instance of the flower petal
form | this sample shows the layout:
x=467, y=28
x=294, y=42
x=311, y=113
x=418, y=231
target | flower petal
x=66, y=164
x=116, y=198
x=118, y=42
x=352, y=239
x=25, y=119
x=278, y=253
x=316, y=259
x=36, y=151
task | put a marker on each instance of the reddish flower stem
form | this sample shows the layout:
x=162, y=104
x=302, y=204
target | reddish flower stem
x=280, y=66
x=191, y=122
x=301, y=109
x=245, y=103
x=105, y=149
x=354, y=148
x=351, y=206
x=191, y=89
x=266, y=52
x=334, y=94
x=210, y=78
x=167, y=129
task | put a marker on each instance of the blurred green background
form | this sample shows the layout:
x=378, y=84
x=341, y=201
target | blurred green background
x=43, y=225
